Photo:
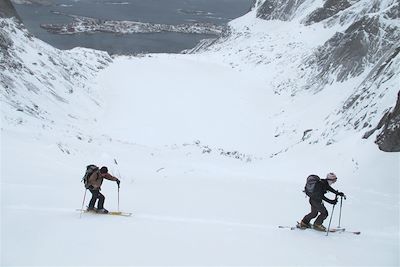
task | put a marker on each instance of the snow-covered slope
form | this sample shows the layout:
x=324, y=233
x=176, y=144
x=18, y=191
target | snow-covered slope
x=212, y=149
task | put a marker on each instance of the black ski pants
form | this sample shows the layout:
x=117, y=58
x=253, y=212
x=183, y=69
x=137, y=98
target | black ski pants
x=316, y=207
x=96, y=195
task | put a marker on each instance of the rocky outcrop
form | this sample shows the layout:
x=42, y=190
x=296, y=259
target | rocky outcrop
x=389, y=138
x=279, y=9
x=347, y=54
x=7, y=10
x=330, y=8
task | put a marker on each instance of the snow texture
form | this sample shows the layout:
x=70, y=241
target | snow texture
x=212, y=148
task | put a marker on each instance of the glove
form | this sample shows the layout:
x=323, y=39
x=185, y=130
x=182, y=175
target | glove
x=118, y=182
x=340, y=194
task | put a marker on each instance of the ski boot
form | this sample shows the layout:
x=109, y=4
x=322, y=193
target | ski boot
x=302, y=225
x=91, y=209
x=103, y=210
x=319, y=227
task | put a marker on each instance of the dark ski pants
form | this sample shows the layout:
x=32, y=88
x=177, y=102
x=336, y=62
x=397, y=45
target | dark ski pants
x=316, y=207
x=96, y=195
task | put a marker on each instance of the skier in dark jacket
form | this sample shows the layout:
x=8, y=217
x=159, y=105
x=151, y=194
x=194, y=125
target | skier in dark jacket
x=317, y=206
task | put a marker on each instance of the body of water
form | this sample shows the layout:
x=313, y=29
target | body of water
x=172, y=12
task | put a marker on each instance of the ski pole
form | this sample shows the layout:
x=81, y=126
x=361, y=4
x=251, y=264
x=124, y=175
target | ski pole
x=330, y=220
x=340, y=212
x=118, y=197
x=119, y=176
x=83, y=203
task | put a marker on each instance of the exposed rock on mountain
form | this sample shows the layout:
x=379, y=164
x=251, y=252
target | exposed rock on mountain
x=7, y=10
x=330, y=8
x=389, y=138
x=349, y=53
x=279, y=9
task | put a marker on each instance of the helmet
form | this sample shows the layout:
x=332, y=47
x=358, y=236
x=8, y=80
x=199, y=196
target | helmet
x=331, y=176
x=103, y=170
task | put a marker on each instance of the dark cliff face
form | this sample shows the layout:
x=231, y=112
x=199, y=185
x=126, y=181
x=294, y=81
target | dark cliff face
x=389, y=138
x=330, y=8
x=278, y=9
x=347, y=54
x=7, y=10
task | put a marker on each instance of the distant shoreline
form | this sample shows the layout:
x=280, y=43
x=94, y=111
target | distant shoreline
x=83, y=24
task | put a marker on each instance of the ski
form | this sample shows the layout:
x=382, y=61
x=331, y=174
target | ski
x=332, y=230
x=350, y=232
x=116, y=213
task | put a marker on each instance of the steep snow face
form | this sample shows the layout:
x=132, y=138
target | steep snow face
x=43, y=83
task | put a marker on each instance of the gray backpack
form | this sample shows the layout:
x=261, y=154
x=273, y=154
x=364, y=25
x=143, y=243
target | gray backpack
x=310, y=184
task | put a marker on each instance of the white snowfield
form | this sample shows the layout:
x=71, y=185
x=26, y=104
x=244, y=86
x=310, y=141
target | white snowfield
x=168, y=126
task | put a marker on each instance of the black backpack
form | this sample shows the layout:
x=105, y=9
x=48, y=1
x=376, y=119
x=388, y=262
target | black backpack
x=90, y=169
x=312, y=180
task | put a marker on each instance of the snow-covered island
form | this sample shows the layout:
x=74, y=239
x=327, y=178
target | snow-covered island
x=90, y=25
x=212, y=147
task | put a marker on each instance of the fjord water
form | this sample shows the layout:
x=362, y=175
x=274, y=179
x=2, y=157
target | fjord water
x=155, y=11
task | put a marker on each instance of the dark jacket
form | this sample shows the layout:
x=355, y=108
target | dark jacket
x=321, y=188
